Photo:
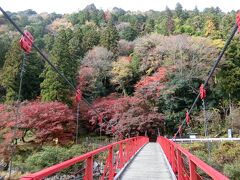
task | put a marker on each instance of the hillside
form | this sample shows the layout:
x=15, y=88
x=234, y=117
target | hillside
x=140, y=71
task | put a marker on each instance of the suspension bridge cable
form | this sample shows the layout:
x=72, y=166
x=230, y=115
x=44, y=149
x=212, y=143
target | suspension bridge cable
x=18, y=114
x=235, y=28
x=47, y=60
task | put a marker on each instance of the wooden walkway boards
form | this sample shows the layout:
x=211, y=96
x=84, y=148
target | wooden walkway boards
x=148, y=164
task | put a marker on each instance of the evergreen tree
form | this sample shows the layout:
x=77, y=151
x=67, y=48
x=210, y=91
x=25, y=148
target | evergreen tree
x=4, y=44
x=229, y=76
x=90, y=36
x=10, y=77
x=179, y=10
x=129, y=33
x=76, y=45
x=149, y=28
x=195, y=11
x=109, y=39
x=48, y=42
x=53, y=87
x=170, y=22
x=31, y=78
x=10, y=73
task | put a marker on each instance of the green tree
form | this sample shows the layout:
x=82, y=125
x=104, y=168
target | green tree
x=76, y=45
x=10, y=77
x=121, y=73
x=229, y=76
x=10, y=73
x=4, y=44
x=48, y=42
x=53, y=87
x=90, y=36
x=31, y=77
x=149, y=28
x=129, y=33
x=170, y=22
x=109, y=39
x=165, y=24
x=179, y=10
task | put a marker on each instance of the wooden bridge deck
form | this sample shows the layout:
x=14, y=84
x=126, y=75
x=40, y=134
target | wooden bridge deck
x=150, y=163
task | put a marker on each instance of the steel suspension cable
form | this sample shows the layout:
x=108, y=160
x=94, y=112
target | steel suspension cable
x=234, y=30
x=18, y=114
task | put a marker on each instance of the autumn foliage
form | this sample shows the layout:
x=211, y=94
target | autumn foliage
x=46, y=120
x=149, y=87
x=125, y=116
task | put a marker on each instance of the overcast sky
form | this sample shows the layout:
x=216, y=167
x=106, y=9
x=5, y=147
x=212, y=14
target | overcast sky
x=68, y=6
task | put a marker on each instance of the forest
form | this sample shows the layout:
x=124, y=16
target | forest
x=137, y=73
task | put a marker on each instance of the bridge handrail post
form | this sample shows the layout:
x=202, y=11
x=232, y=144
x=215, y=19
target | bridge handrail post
x=174, y=166
x=179, y=164
x=111, y=173
x=121, y=155
x=193, y=170
x=89, y=169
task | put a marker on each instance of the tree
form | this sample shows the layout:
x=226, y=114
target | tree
x=48, y=42
x=11, y=73
x=4, y=44
x=170, y=22
x=179, y=10
x=76, y=49
x=165, y=24
x=11, y=69
x=122, y=73
x=48, y=120
x=45, y=120
x=124, y=116
x=180, y=51
x=195, y=11
x=128, y=33
x=7, y=119
x=53, y=87
x=149, y=87
x=149, y=27
x=94, y=72
x=109, y=39
x=31, y=77
x=125, y=48
x=229, y=77
x=90, y=36
x=209, y=28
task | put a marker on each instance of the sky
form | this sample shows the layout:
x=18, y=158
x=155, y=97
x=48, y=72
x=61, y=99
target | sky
x=69, y=6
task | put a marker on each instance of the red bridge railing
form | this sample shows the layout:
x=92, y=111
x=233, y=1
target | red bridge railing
x=126, y=149
x=184, y=164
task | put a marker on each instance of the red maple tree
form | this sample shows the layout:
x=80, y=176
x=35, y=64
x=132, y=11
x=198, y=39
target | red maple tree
x=123, y=116
x=46, y=120
x=150, y=87
x=49, y=120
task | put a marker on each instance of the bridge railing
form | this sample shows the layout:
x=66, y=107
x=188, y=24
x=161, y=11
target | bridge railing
x=177, y=156
x=125, y=148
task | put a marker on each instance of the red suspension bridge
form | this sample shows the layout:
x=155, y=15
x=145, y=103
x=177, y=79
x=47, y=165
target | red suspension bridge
x=137, y=158
x=134, y=158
